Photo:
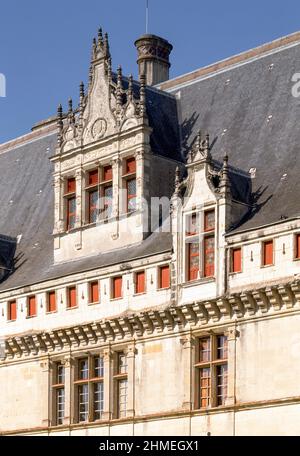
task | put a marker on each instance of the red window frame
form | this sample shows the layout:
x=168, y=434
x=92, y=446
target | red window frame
x=164, y=277
x=209, y=268
x=93, y=177
x=51, y=302
x=72, y=297
x=107, y=173
x=236, y=260
x=94, y=292
x=193, y=271
x=117, y=284
x=268, y=253
x=297, y=246
x=207, y=225
x=31, y=309
x=12, y=310
x=130, y=166
x=140, y=282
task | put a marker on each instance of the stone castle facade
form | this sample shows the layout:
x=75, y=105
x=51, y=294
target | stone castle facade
x=149, y=253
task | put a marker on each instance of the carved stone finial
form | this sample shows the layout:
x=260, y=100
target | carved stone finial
x=130, y=87
x=109, y=69
x=142, y=95
x=119, y=87
x=81, y=91
x=70, y=104
x=94, y=49
x=106, y=46
x=225, y=181
x=90, y=75
x=177, y=179
x=100, y=37
x=59, y=124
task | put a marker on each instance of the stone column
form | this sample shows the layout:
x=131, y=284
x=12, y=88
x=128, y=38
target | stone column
x=231, y=335
x=143, y=220
x=188, y=347
x=45, y=392
x=108, y=384
x=69, y=400
x=130, y=353
x=115, y=163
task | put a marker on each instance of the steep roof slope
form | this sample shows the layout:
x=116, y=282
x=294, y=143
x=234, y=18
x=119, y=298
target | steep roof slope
x=250, y=112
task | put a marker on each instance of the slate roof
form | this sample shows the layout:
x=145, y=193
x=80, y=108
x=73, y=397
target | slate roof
x=251, y=114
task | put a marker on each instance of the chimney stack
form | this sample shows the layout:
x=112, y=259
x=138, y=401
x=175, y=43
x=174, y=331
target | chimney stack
x=153, y=58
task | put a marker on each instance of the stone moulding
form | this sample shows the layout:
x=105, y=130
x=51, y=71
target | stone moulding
x=197, y=315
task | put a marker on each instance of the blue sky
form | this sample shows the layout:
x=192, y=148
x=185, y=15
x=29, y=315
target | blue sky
x=45, y=45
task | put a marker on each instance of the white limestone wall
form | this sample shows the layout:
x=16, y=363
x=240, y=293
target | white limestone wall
x=253, y=272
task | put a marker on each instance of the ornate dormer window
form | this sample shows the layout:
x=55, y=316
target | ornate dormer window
x=200, y=244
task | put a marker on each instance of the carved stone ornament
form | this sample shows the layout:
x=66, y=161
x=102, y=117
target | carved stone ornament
x=99, y=128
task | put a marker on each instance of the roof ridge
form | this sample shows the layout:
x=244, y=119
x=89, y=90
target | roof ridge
x=242, y=57
x=27, y=138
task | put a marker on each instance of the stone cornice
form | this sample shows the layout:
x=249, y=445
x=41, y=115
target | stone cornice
x=196, y=315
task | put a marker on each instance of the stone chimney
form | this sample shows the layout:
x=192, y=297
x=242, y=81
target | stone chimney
x=153, y=58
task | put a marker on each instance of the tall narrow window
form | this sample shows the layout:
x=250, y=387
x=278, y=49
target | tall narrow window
x=140, y=285
x=200, y=244
x=236, y=260
x=90, y=390
x=211, y=371
x=164, y=277
x=121, y=385
x=129, y=177
x=106, y=193
x=94, y=292
x=70, y=203
x=58, y=388
x=268, y=254
x=31, y=306
x=92, y=195
x=116, y=287
x=51, y=301
x=297, y=246
x=72, y=297
x=12, y=311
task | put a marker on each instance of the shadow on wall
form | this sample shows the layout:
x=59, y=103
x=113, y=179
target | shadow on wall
x=8, y=247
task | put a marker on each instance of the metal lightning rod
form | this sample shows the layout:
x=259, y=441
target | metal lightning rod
x=147, y=15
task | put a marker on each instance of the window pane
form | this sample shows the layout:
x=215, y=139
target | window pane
x=71, y=213
x=140, y=282
x=71, y=185
x=209, y=220
x=93, y=177
x=221, y=384
x=83, y=402
x=222, y=347
x=209, y=256
x=107, y=173
x=60, y=405
x=98, y=400
x=83, y=369
x=122, y=363
x=60, y=374
x=107, y=202
x=192, y=222
x=131, y=195
x=130, y=165
x=205, y=350
x=123, y=384
x=98, y=367
x=93, y=206
x=205, y=386
x=193, y=261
